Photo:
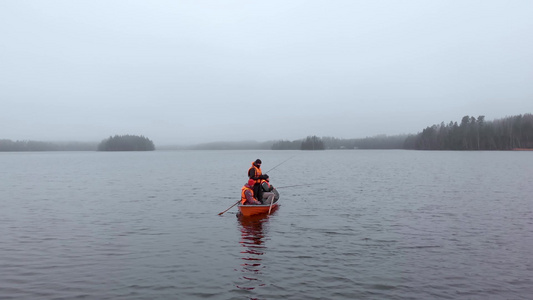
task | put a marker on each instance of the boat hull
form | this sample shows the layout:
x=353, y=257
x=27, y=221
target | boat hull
x=251, y=210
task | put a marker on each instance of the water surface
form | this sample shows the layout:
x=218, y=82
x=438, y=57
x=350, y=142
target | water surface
x=372, y=225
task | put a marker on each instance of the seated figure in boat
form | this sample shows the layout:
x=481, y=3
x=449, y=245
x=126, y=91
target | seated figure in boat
x=269, y=193
x=255, y=173
x=247, y=194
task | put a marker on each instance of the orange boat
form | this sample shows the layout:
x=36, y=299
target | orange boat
x=250, y=210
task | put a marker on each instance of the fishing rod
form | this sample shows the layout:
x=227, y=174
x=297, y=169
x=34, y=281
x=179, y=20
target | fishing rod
x=281, y=163
x=281, y=187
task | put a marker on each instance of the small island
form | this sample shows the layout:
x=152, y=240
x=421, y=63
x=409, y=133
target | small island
x=126, y=143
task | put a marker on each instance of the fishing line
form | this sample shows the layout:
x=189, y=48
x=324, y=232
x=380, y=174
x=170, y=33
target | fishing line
x=287, y=186
x=281, y=163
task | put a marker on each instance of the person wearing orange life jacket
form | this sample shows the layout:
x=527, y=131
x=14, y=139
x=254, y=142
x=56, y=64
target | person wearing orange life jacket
x=270, y=194
x=247, y=194
x=255, y=173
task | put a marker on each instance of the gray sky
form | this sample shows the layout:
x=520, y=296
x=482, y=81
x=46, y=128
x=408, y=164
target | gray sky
x=200, y=71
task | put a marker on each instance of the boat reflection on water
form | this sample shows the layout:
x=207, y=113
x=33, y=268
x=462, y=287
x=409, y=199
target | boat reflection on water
x=252, y=240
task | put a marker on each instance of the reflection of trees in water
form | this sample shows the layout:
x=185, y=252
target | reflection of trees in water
x=252, y=235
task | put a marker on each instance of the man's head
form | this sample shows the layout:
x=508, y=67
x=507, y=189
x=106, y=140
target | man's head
x=257, y=163
x=251, y=182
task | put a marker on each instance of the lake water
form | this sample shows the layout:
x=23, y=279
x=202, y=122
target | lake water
x=373, y=225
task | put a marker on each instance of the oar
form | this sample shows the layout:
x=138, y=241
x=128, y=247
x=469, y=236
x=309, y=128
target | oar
x=271, y=201
x=229, y=207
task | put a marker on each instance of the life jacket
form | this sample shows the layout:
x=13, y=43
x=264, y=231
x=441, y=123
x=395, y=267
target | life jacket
x=267, y=183
x=243, y=195
x=257, y=172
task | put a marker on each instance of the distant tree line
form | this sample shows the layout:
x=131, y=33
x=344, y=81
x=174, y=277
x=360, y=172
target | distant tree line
x=312, y=143
x=470, y=134
x=476, y=134
x=15, y=146
x=287, y=145
x=309, y=143
x=377, y=142
x=243, y=145
x=126, y=143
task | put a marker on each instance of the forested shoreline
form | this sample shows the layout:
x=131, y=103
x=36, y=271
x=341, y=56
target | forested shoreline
x=113, y=143
x=472, y=133
x=28, y=146
x=509, y=133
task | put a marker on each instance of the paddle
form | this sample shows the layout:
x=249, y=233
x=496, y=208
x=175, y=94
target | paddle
x=271, y=201
x=229, y=207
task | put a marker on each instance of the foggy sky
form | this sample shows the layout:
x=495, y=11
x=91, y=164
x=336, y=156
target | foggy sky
x=200, y=71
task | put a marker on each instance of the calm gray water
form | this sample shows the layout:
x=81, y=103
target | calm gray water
x=374, y=225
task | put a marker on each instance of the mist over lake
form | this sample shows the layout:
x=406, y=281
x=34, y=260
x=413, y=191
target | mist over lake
x=372, y=224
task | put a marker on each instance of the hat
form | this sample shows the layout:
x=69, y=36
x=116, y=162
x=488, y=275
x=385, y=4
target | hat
x=251, y=182
x=257, y=161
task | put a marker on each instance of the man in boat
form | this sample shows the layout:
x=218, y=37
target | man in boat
x=255, y=173
x=247, y=194
x=269, y=192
